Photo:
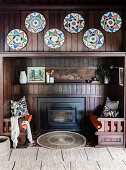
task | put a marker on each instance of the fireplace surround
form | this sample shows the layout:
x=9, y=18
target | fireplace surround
x=61, y=114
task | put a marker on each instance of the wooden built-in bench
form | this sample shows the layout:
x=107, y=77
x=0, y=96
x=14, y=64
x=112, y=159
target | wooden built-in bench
x=110, y=131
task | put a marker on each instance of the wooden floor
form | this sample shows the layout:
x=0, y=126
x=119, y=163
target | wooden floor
x=84, y=158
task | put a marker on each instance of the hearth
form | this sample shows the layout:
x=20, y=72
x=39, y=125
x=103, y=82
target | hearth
x=61, y=114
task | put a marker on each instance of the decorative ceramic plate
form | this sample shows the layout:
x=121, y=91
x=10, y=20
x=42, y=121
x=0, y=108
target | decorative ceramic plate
x=17, y=39
x=111, y=22
x=73, y=23
x=54, y=38
x=35, y=22
x=93, y=38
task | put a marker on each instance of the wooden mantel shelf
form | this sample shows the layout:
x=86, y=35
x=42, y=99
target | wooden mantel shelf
x=62, y=54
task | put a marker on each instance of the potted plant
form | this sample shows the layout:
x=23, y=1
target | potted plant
x=105, y=73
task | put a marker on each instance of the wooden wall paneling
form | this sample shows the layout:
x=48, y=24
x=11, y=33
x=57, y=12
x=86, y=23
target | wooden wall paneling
x=93, y=90
x=90, y=62
x=48, y=62
x=2, y=32
x=36, y=89
x=34, y=113
x=11, y=25
x=83, y=89
x=34, y=40
x=1, y=96
x=51, y=24
x=97, y=16
x=58, y=89
x=47, y=27
x=95, y=62
x=17, y=21
x=86, y=62
x=80, y=44
x=31, y=88
x=74, y=40
x=68, y=37
x=86, y=27
x=79, y=89
x=34, y=62
x=72, y=62
x=123, y=30
x=40, y=89
x=88, y=88
x=23, y=17
x=7, y=90
x=64, y=90
x=42, y=62
x=30, y=39
x=58, y=23
x=6, y=30
x=91, y=105
x=69, y=88
x=97, y=105
x=117, y=38
x=91, y=23
x=67, y=62
x=73, y=89
x=40, y=37
x=77, y=62
x=64, y=46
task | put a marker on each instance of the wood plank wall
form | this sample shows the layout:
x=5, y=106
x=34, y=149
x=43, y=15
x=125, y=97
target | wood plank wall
x=73, y=42
x=94, y=94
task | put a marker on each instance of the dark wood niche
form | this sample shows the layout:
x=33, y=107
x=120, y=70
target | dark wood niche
x=95, y=94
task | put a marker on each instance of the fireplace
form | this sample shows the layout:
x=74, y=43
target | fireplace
x=61, y=114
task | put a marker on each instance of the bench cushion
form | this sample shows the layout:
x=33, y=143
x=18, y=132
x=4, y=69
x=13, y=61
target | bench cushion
x=26, y=118
x=95, y=122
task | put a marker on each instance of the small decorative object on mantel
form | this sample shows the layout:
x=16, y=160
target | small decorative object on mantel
x=111, y=22
x=17, y=39
x=49, y=77
x=35, y=22
x=54, y=38
x=95, y=81
x=73, y=23
x=36, y=74
x=23, y=77
x=93, y=38
x=105, y=73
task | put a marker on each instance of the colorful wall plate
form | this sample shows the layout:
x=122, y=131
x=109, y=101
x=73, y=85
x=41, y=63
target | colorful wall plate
x=54, y=38
x=111, y=22
x=73, y=23
x=17, y=39
x=93, y=38
x=35, y=22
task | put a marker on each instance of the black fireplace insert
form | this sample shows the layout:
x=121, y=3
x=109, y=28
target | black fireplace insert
x=61, y=114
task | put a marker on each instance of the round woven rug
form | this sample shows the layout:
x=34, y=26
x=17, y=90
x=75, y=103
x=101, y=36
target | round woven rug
x=61, y=140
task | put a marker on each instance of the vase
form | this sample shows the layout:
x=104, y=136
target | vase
x=47, y=78
x=106, y=80
x=23, y=77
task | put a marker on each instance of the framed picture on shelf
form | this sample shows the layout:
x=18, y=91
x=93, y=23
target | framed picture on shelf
x=36, y=74
x=121, y=76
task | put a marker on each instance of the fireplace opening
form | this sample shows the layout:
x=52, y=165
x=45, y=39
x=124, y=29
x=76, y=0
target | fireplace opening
x=61, y=114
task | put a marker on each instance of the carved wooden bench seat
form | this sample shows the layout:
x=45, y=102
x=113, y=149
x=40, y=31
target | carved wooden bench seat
x=110, y=131
x=23, y=128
